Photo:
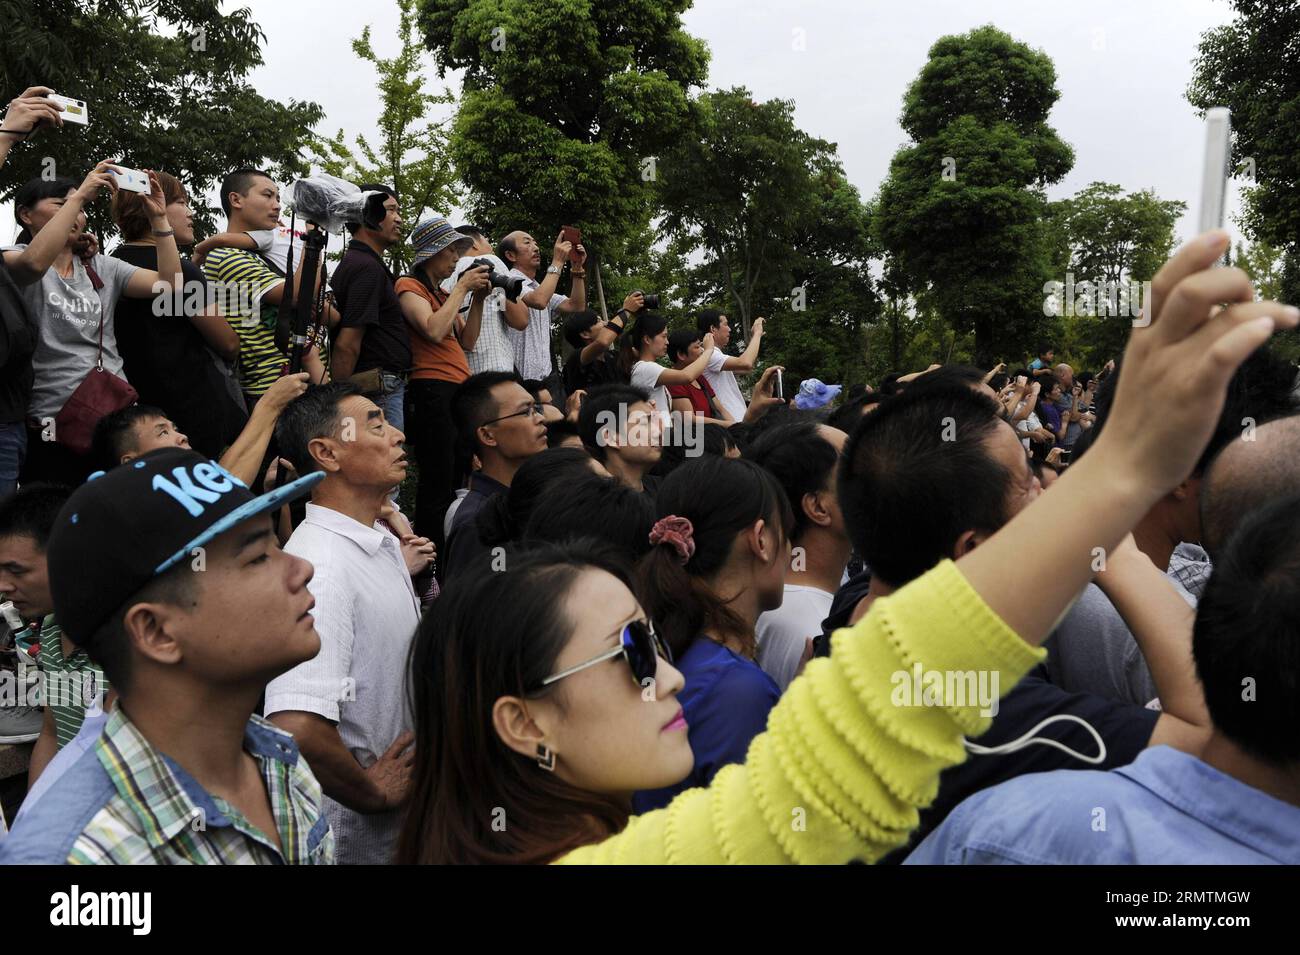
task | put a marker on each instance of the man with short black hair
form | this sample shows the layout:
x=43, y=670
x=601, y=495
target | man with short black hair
x=167, y=574
x=929, y=476
x=622, y=431
x=372, y=335
x=503, y=425
x=347, y=706
x=26, y=519
x=721, y=372
x=803, y=456
x=250, y=288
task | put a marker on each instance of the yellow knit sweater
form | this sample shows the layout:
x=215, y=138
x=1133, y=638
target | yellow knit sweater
x=841, y=771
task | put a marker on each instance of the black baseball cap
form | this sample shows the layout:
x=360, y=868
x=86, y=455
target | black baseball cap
x=126, y=526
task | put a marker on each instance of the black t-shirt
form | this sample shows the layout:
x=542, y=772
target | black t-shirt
x=367, y=299
x=166, y=360
x=602, y=371
x=18, y=338
x=1125, y=728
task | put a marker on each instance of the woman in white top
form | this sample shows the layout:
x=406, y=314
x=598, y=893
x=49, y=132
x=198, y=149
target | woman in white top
x=645, y=344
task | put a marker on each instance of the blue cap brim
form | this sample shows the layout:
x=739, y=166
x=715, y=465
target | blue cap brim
x=258, y=505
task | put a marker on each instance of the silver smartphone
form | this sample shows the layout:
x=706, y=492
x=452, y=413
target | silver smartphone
x=780, y=386
x=1214, y=179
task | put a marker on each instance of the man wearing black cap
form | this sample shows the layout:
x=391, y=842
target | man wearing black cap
x=167, y=573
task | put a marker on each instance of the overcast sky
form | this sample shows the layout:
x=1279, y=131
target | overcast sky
x=1122, y=69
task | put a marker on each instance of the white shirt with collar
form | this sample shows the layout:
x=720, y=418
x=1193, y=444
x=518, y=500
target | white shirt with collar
x=366, y=614
x=532, y=345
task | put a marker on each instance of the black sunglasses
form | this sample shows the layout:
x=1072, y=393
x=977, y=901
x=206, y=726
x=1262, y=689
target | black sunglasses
x=640, y=645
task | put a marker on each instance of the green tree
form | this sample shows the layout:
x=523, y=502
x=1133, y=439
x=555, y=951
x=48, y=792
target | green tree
x=777, y=229
x=1248, y=65
x=961, y=209
x=165, y=83
x=565, y=107
x=411, y=153
x=1114, y=243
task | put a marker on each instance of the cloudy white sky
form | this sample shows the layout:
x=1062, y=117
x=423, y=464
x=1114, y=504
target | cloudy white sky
x=1122, y=68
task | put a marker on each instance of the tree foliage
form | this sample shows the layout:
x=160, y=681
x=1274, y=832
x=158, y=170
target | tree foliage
x=1248, y=65
x=565, y=106
x=1114, y=242
x=961, y=211
x=775, y=229
x=411, y=152
x=165, y=83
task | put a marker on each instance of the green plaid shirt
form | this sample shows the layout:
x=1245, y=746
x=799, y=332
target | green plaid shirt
x=157, y=813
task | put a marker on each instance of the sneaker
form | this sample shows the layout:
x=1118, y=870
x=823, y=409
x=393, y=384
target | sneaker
x=20, y=724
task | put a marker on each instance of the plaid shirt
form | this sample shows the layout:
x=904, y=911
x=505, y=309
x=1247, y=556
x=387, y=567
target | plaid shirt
x=126, y=803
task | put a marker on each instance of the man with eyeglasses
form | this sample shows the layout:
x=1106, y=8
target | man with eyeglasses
x=502, y=425
x=346, y=707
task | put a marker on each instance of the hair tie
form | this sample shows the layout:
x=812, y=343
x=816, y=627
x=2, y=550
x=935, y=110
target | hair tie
x=677, y=532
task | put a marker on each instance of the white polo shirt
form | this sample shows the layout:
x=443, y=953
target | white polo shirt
x=366, y=613
x=725, y=390
x=532, y=345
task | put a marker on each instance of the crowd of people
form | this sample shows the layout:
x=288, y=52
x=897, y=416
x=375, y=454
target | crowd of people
x=647, y=607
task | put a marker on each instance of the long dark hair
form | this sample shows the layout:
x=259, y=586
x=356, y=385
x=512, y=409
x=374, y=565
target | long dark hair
x=33, y=191
x=502, y=518
x=720, y=497
x=467, y=654
x=629, y=353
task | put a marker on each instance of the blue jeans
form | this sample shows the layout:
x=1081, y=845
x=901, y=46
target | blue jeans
x=393, y=401
x=13, y=448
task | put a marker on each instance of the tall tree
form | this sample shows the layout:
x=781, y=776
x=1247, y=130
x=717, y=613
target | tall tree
x=165, y=83
x=1248, y=65
x=778, y=229
x=1115, y=243
x=411, y=153
x=960, y=211
x=565, y=107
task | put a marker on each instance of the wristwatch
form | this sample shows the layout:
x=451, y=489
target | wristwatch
x=553, y=269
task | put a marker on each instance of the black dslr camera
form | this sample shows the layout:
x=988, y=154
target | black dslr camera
x=651, y=300
x=513, y=287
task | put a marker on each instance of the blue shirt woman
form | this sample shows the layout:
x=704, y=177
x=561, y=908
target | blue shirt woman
x=726, y=701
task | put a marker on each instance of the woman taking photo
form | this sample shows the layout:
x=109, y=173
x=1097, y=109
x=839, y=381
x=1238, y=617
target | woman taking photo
x=645, y=344
x=534, y=728
x=73, y=292
x=696, y=398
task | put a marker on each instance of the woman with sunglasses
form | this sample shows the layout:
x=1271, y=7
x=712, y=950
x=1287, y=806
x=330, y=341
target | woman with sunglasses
x=719, y=559
x=511, y=767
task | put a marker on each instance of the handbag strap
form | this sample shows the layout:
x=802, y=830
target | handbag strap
x=97, y=283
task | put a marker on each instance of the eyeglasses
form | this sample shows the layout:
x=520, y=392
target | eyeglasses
x=640, y=645
x=536, y=408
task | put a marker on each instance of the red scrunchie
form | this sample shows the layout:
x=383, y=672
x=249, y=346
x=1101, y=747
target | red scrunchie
x=677, y=532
